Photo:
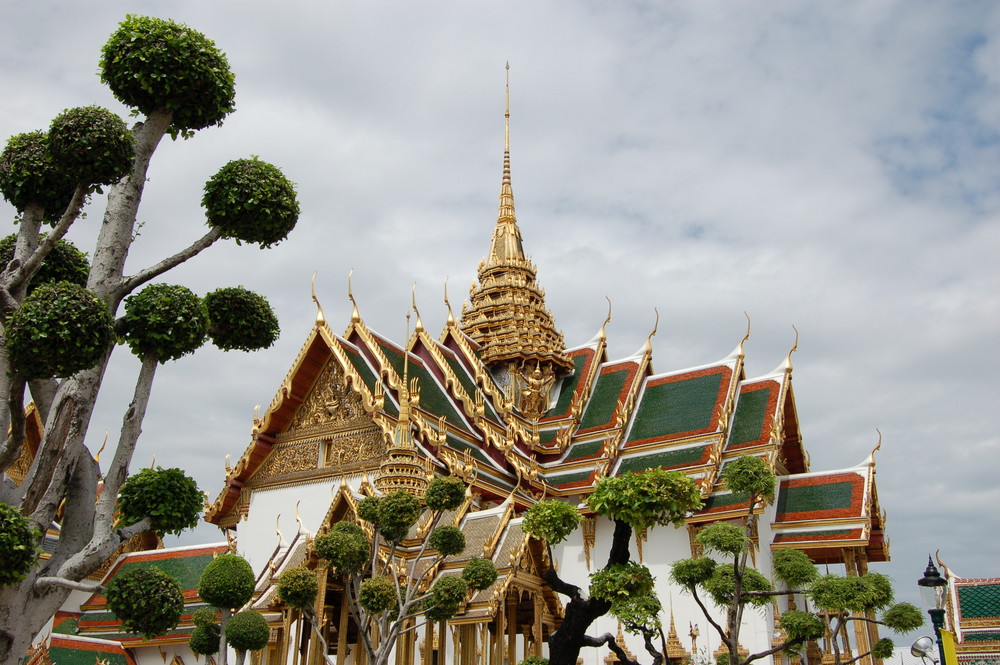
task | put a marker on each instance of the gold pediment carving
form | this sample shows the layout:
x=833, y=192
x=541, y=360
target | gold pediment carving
x=330, y=406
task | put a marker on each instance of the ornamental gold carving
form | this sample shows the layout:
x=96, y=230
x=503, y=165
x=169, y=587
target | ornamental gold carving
x=330, y=404
x=355, y=447
x=288, y=458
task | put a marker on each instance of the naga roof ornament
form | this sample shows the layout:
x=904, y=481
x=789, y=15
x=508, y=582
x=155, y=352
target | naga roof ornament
x=506, y=313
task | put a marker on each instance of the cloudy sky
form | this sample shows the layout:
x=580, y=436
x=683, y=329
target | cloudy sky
x=832, y=166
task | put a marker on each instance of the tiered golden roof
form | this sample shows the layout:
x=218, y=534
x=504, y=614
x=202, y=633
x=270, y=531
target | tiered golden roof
x=506, y=313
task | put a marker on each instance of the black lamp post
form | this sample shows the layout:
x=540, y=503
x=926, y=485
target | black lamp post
x=933, y=592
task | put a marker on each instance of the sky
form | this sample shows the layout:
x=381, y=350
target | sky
x=829, y=166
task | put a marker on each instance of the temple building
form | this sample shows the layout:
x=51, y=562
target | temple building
x=973, y=616
x=499, y=400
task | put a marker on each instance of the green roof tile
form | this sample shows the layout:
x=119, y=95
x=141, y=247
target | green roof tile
x=584, y=449
x=748, y=421
x=811, y=498
x=64, y=656
x=570, y=384
x=603, y=401
x=979, y=601
x=676, y=407
x=665, y=459
x=432, y=398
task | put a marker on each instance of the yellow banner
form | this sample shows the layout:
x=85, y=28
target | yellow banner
x=948, y=646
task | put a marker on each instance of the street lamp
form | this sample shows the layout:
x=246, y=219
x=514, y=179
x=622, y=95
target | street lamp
x=933, y=591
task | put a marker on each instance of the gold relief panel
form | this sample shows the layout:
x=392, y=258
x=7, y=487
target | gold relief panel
x=285, y=459
x=356, y=446
x=330, y=404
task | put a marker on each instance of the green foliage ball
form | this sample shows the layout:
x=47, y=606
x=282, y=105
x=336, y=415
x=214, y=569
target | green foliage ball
x=240, y=319
x=621, y=581
x=247, y=631
x=903, y=617
x=397, y=512
x=64, y=263
x=638, y=612
x=871, y=591
x=348, y=527
x=251, y=201
x=884, y=649
x=690, y=573
x=802, y=626
x=445, y=598
x=28, y=176
x=551, y=520
x=447, y=540
x=59, y=330
x=18, y=545
x=92, y=145
x=204, y=616
x=204, y=640
x=723, y=537
x=794, y=568
x=152, y=64
x=169, y=497
x=721, y=586
x=642, y=500
x=165, y=321
x=534, y=660
x=227, y=582
x=298, y=588
x=750, y=475
x=146, y=601
x=346, y=552
x=378, y=594
x=445, y=493
x=479, y=573
x=368, y=509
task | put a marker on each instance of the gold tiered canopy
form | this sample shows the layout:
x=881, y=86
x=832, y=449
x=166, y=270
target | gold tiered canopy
x=506, y=313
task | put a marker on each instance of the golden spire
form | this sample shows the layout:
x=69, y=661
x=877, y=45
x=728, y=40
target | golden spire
x=506, y=314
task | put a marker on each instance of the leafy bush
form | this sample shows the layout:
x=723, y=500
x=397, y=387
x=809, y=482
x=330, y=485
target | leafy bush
x=637, y=612
x=146, y=601
x=723, y=537
x=18, y=545
x=447, y=540
x=64, y=263
x=204, y=640
x=722, y=584
x=227, y=582
x=397, y=512
x=552, y=521
x=445, y=598
x=479, y=573
x=298, y=588
x=871, y=591
x=247, y=631
x=368, y=509
x=92, y=145
x=151, y=64
x=793, y=567
x=445, y=493
x=534, y=660
x=642, y=500
x=251, y=201
x=378, y=594
x=168, y=497
x=59, y=330
x=802, y=626
x=750, y=475
x=347, y=552
x=165, y=321
x=204, y=616
x=621, y=581
x=690, y=573
x=240, y=319
x=28, y=175
x=903, y=617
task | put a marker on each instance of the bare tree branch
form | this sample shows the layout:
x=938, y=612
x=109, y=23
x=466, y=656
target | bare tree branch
x=203, y=243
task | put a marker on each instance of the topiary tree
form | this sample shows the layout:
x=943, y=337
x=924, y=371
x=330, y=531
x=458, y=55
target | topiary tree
x=384, y=594
x=18, y=545
x=57, y=340
x=168, y=497
x=227, y=583
x=298, y=588
x=247, y=631
x=634, y=501
x=146, y=600
x=204, y=640
x=733, y=585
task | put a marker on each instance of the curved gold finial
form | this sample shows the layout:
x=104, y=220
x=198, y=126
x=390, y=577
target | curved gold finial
x=795, y=347
x=320, y=319
x=603, y=335
x=152, y=465
x=451, y=316
x=97, y=457
x=229, y=467
x=656, y=326
x=745, y=337
x=419, y=327
x=355, y=316
x=879, y=444
x=944, y=566
x=277, y=530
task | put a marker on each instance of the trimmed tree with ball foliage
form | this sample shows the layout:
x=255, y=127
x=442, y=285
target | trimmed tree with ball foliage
x=386, y=597
x=723, y=578
x=624, y=588
x=61, y=314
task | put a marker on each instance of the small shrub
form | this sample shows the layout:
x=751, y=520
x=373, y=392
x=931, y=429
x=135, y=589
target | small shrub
x=18, y=545
x=146, y=600
x=165, y=321
x=298, y=588
x=227, y=581
x=251, y=201
x=169, y=497
x=247, y=631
